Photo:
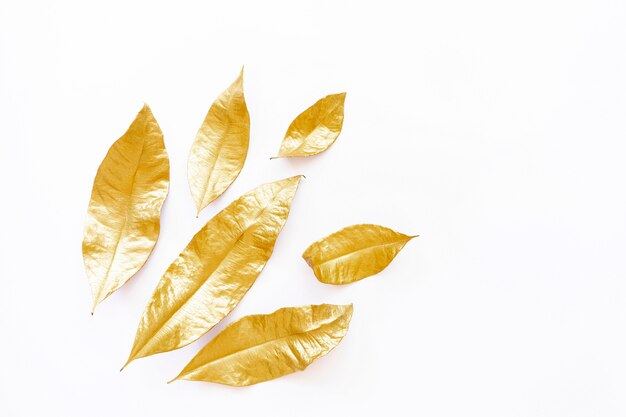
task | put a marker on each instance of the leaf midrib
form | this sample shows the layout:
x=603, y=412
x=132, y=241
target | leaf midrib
x=303, y=142
x=129, y=208
x=195, y=291
x=372, y=247
x=220, y=145
x=291, y=335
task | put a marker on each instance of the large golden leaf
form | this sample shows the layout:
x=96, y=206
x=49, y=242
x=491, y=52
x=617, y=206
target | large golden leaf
x=221, y=145
x=266, y=346
x=215, y=270
x=122, y=223
x=315, y=129
x=354, y=253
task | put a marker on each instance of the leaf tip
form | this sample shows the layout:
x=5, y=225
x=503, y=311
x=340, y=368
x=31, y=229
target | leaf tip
x=130, y=359
x=239, y=79
x=298, y=178
x=145, y=108
x=339, y=96
x=199, y=209
x=178, y=377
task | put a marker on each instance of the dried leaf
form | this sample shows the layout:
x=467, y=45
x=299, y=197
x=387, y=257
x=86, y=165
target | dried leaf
x=266, y=346
x=221, y=145
x=354, y=253
x=215, y=270
x=122, y=223
x=315, y=129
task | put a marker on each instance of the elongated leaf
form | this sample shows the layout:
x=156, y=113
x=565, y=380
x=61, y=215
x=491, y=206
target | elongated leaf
x=123, y=217
x=266, y=346
x=221, y=145
x=315, y=129
x=215, y=270
x=354, y=253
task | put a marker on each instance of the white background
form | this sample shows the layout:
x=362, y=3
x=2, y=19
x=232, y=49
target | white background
x=493, y=129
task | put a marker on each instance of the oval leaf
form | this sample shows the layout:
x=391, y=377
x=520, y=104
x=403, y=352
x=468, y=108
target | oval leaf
x=215, y=270
x=354, y=253
x=315, y=129
x=123, y=216
x=221, y=145
x=266, y=346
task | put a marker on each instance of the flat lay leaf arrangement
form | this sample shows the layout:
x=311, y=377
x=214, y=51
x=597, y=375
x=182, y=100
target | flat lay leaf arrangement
x=225, y=257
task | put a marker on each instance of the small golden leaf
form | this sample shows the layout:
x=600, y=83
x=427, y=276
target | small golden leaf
x=315, y=129
x=215, y=270
x=354, y=253
x=261, y=347
x=123, y=216
x=221, y=145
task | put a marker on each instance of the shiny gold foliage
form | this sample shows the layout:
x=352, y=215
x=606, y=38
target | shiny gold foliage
x=224, y=258
x=354, y=253
x=215, y=270
x=221, y=145
x=123, y=216
x=315, y=129
x=266, y=346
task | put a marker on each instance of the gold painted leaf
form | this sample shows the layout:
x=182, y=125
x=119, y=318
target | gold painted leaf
x=354, y=253
x=220, y=147
x=215, y=270
x=123, y=216
x=261, y=347
x=315, y=129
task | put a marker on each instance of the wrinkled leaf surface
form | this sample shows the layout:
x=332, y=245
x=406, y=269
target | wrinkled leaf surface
x=215, y=270
x=315, y=129
x=220, y=147
x=123, y=218
x=354, y=253
x=261, y=347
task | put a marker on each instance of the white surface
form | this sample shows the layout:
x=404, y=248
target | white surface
x=495, y=130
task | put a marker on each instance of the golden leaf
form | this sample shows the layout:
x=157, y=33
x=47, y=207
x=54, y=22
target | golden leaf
x=315, y=129
x=221, y=145
x=215, y=270
x=261, y=347
x=354, y=253
x=122, y=223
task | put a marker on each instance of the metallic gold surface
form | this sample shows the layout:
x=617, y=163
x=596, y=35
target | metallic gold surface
x=221, y=145
x=354, y=253
x=123, y=216
x=215, y=270
x=315, y=129
x=266, y=346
